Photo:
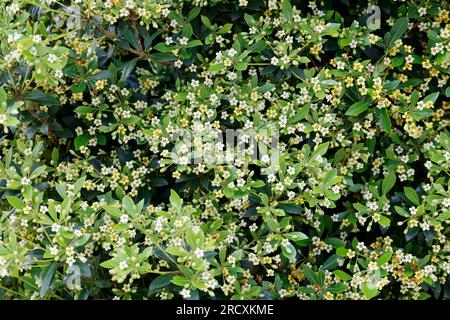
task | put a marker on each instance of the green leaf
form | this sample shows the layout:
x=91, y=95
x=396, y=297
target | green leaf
x=175, y=200
x=286, y=7
x=431, y=97
x=264, y=199
x=38, y=96
x=258, y=46
x=104, y=74
x=162, y=57
x=342, y=275
x=369, y=292
x=180, y=281
x=187, y=31
x=193, y=43
x=207, y=22
x=391, y=85
x=101, y=139
x=160, y=283
x=55, y=156
x=109, y=264
x=341, y=251
x=61, y=190
x=216, y=67
x=414, y=97
x=78, y=185
x=266, y=87
x=301, y=114
x=81, y=241
x=47, y=276
x=388, y=182
x=162, y=47
x=357, y=108
x=402, y=212
x=15, y=202
x=424, y=296
x=320, y=150
x=176, y=251
x=397, y=61
x=78, y=87
x=289, y=251
x=419, y=114
x=37, y=172
x=412, y=195
x=81, y=141
x=194, y=13
x=397, y=31
x=251, y=22
x=112, y=210
x=241, y=66
x=128, y=67
x=257, y=184
x=331, y=262
x=337, y=288
x=331, y=178
x=310, y=275
x=194, y=239
x=296, y=236
x=384, y=221
x=384, y=258
x=128, y=204
x=216, y=225
x=83, y=110
x=385, y=120
x=444, y=216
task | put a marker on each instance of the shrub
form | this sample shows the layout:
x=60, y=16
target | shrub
x=117, y=182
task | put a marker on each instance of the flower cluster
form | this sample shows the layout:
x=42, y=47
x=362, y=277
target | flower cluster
x=116, y=181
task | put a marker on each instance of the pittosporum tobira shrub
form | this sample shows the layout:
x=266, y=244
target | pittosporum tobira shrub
x=229, y=149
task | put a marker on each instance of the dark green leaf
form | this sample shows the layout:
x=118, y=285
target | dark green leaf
x=358, y=108
x=47, y=276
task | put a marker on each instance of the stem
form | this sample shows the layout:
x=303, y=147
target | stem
x=10, y=290
x=161, y=272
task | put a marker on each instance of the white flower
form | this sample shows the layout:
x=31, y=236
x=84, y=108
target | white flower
x=25, y=181
x=413, y=211
x=51, y=58
x=185, y=293
x=274, y=61
x=124, y=12
x=123, y=265
x=13, y=8
x=178, y=63
x=265, y=158
x=446, y=202
x=336, y=189
x=232, y=52
x=199, y=253
x=279, y=187
x=37, y=38
x=361, y=246
x=184, y=41
x=54, y=250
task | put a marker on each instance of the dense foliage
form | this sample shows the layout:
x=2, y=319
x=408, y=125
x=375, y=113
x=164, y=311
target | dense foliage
x=100, y=198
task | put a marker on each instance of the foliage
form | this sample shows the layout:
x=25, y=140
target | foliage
x=93, y=91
